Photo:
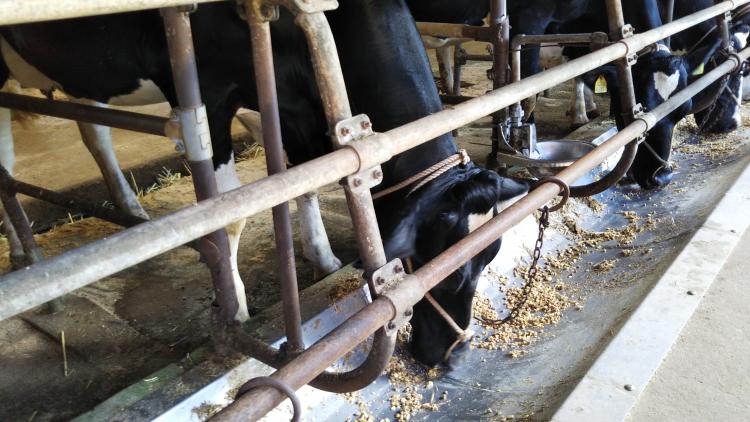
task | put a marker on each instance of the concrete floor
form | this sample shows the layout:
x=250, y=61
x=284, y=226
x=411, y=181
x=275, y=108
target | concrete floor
x=706, y=376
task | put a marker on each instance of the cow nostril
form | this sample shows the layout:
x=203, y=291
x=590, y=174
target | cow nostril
x=662, y=177
x=458, y=355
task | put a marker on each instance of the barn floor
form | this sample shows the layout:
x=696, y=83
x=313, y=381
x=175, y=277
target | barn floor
x=122, y=329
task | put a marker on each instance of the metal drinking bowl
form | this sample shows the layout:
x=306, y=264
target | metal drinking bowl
x=556, y=155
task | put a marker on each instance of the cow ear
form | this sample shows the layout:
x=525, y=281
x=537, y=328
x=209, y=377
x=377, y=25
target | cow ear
x=698, y=58
x=609, y=72
x=401, y=241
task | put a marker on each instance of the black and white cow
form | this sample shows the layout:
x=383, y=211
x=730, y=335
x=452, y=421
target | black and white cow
x=118, y=57
x=701, y=45
x=657, y=75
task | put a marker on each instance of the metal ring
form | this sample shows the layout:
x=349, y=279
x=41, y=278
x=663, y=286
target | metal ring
x=278, y=385
x=564, y=188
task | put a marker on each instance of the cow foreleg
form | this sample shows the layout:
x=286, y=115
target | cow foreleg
x=250, y=119
x=445, y=65
x=591, y=109
x=315, y=245
x=226, y=180
x=98, y=140
x=7, y=160
x=577, y=109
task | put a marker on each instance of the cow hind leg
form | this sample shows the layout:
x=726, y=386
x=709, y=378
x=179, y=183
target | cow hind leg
x=445, y=65
x=226, y=180
x=588, y=95
x=577, y=109
x=315, y=245
x=98, y=140
x=7, y=160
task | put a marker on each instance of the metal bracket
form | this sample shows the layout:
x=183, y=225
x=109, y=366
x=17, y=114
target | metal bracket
x=386, y=276
x=352, y=129
x=386, y=279
x=637, y=111
x=259, y=10
x=632, y=59
x=365, y=179
x=627, y=31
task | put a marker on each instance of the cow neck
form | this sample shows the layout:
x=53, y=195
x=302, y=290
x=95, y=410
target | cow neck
x=409, y=163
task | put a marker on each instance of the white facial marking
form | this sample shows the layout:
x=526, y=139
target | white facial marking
x=666, y=85
x=742, y=38
x=25, y=73
x=146, y=93
x=477, y=220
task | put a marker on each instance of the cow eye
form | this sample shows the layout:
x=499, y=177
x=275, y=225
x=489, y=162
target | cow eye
x=448, y=218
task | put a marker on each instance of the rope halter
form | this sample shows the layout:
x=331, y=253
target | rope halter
x=428, y=175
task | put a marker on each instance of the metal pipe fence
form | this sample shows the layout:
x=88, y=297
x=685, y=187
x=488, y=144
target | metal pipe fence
x=357, y=159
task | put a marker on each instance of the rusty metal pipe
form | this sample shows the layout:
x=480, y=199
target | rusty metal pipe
x=500, y=25
x=32, y=252
x=260, y=35
x=330, y=80
x=120, y=119
x=312, y=361
x=22, y=292
x=38, y=11
x=254, y=405
x=214, y=246
x=66, y=201
x=77, y=268
x=455, y=30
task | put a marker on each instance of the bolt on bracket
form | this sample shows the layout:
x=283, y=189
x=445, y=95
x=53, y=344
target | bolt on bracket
x=388, y=281
x=352, y=129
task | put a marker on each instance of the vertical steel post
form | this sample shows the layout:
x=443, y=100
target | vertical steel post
x=500, y=57
x=214, y=247
x=617, y=31
x=265, y=80
x=669, y=17
x=330, y=80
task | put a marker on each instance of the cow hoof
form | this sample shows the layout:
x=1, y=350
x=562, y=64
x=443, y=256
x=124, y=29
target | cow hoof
x=660, y=179
x=18, y=261
x=593, y=114
x=321, y=272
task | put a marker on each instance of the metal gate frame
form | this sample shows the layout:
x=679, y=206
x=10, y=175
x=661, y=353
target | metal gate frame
x=357, y=158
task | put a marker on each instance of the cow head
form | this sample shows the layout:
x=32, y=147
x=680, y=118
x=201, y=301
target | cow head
x=429, y=221
x=719, y=114
x=656, y=77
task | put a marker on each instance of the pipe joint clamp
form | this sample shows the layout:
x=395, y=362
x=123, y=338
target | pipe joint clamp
x=195, y=133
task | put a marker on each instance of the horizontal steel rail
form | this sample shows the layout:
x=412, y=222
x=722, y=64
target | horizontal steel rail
x=453, y=30
x=121, y=119
x=23, y=290
x=338, y=342
x=28, y=11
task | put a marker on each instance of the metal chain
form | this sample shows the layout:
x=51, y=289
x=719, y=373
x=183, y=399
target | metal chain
x=530, y=275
